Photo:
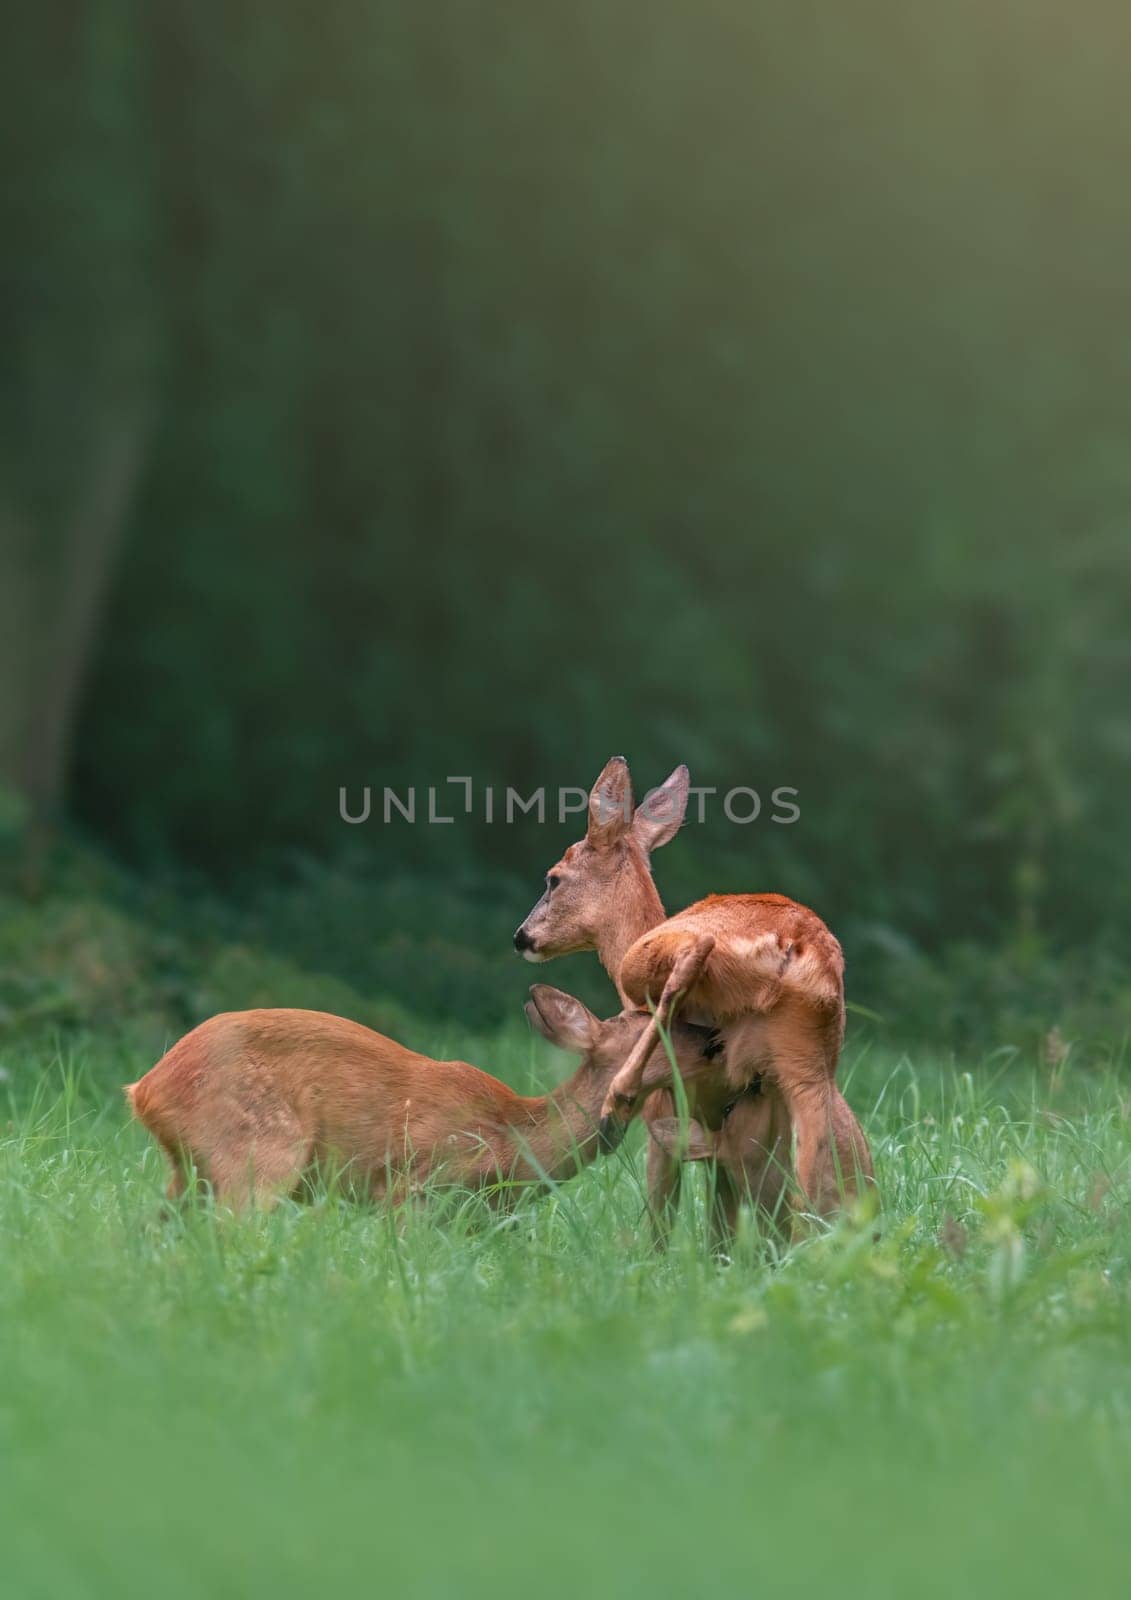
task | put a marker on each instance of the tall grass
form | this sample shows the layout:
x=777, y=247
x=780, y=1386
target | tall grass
x=333, y=1399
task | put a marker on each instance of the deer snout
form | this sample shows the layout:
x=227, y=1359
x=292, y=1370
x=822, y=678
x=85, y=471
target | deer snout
x=525, y=944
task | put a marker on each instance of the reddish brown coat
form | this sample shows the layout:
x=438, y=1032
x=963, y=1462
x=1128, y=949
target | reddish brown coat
x=255, y=1102
x=764, y=968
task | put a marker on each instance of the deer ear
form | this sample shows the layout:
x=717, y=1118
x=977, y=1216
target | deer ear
x=662, y=812
x=561, y=1019
x=688, y=1142
x=610, y=804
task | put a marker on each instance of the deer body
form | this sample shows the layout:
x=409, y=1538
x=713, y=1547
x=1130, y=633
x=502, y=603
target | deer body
x=257, y=1102
x=764, y=969
x=766, y=947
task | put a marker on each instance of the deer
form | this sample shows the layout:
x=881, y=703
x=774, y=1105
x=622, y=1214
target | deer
x=762, y=969
x=254, y=1105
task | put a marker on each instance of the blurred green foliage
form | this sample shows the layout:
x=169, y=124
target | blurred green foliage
x=743, y=384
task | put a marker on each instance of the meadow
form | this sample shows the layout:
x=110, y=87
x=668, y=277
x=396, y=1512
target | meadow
x=420, y=396
x=445, y=1402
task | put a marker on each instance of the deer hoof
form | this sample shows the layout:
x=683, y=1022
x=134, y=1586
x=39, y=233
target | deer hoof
x=619, y=1105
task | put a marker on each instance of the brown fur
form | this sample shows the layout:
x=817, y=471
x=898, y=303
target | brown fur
x=773, y=980
x=765, y=947
x=254, y=1103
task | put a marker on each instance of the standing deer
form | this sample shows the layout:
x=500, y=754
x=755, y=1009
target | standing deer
x=254, y=1103
x=763, y=969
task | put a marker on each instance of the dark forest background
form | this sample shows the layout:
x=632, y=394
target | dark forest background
x=392, y=391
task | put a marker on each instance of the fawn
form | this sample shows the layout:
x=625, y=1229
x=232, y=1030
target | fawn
x=255, y=1103
x=763, y=969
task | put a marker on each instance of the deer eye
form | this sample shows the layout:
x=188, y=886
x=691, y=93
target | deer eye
x=553, y=879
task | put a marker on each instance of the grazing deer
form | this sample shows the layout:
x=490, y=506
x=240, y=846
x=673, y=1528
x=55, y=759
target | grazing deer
x=763, y=969
x=254, y=1103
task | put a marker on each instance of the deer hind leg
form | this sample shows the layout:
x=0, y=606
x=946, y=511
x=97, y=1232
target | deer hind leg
x=183, y=1180
x=754, y=1150
x=854, y=1158
x=624, y=1090
x=833, y=1161
x=833, y=1164
x=177, y=1187
x=261, y=1171
x=791, y=1044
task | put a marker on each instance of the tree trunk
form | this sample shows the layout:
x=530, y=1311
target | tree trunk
x=16, y=633
x=52, y=597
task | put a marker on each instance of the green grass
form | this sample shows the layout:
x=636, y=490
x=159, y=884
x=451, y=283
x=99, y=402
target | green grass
x=326, y=1400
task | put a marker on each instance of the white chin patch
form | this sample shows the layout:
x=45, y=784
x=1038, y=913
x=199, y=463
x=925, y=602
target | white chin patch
x=533, y=955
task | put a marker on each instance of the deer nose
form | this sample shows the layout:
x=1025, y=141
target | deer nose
x=522, y=940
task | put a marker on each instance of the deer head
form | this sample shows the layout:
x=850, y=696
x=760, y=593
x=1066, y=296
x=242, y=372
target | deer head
x=688, y=1050
x=600, y=895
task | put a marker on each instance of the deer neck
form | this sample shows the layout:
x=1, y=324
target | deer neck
x=636, y=908
x=557, y=1133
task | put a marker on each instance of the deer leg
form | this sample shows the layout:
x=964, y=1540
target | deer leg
x=790, y=1047
x=814, y=1167
x=183, y=1180
x=261, y=1174
x=831, y=1157
x=664, y=1173
x=851, y=1157
x=624, y=1091
x=798, y=1067
x=690, y=1141
x=724, y=1198
x=754, y=1147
